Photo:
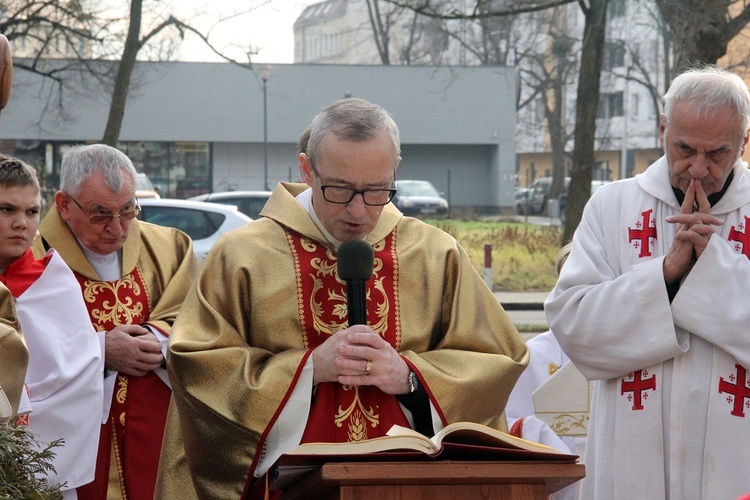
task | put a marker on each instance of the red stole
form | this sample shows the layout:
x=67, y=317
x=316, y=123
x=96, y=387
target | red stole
x=346, y=413
x=23, y=272
x=139, y=404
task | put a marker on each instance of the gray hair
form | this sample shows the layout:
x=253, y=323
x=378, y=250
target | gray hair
x=352, y=119
x=80, y=162
x=712, y=90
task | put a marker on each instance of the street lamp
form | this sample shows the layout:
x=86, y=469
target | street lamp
x=264, y=76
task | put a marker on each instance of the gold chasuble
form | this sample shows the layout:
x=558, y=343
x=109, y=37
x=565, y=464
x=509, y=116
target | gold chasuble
x=13, y=354
x=268, y=294
x=346, y=413
x=158, y=267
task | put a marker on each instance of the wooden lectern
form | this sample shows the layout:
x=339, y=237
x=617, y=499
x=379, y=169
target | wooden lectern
x=439, y=479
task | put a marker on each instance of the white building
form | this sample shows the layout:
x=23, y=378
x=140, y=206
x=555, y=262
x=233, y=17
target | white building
x=627, y=139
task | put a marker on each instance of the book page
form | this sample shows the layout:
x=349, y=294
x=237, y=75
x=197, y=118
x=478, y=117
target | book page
x=407, y=441
x=477, y=434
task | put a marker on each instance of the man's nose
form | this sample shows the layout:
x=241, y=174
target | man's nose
x=699, y=166
x=116, y=225
x=357, y=205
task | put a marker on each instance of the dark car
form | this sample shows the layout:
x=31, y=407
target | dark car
x=419, y=198
x=192, y=186
x=522, y=200
x=564, y=198
x=249, y=203
x=537, y=196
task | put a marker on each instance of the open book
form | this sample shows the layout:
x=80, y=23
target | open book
x=460, y=441
x=465, y=435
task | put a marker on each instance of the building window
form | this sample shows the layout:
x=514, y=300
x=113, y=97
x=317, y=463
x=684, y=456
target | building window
x=615, y=9
x=601, y=171
x=635, y=103
x=610, y=105
x=614, y=55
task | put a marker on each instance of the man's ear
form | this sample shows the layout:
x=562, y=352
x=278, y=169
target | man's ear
x=305, y=169
x=62, y=202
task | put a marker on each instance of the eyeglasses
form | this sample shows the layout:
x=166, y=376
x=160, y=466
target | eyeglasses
x=107, y=218
x=342, y=195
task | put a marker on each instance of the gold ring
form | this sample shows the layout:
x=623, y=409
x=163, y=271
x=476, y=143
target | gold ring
x=368, y=368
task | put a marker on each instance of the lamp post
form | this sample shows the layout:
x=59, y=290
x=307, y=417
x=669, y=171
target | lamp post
x=264, y=76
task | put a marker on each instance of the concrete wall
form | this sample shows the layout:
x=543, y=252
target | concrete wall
x=451, y=118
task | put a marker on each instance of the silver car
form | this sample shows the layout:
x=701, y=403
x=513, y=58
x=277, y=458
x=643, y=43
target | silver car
x=249, y=203
x=203, y=222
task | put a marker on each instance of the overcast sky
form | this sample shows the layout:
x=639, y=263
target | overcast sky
x=268, y=27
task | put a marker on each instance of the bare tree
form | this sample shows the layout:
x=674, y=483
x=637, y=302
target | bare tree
x=90, y=37
x=134, y=43
x=547, y=73
x=588, y=100
x=702, y=29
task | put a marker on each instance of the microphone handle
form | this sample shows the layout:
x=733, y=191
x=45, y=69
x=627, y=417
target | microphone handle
x=356, y=301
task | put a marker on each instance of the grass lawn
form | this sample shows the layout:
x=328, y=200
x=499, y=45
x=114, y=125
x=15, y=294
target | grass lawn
x=523, y=255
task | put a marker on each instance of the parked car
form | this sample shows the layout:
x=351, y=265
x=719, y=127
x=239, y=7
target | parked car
x=192, y=186
x=419, y=198
x=537, y=196
x=522, y=200
x=595, y=184
x=203, y=222
x=249, y=203
x=145, y=189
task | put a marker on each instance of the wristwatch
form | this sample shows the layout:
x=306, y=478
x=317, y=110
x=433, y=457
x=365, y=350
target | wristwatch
x=413, y=382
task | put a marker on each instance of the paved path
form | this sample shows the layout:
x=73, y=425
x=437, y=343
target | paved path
x=526, y=310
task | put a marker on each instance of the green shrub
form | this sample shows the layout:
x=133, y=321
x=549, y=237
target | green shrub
x=21, y=461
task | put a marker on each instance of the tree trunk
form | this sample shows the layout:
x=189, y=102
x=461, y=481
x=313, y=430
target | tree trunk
x=124, y=72
x=701, y=30
x=586, y=106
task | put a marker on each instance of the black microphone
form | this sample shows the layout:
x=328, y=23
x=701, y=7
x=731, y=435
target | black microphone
x=355, y=262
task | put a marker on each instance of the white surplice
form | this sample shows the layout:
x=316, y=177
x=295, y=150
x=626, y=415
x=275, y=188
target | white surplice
x=670, y=412
x=66, y=371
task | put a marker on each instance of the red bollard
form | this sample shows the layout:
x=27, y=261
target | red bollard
x=488, y=265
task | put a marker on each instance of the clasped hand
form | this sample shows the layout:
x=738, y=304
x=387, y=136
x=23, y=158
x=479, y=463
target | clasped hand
x=346, y=356
x=696, y=225
x=132, y=350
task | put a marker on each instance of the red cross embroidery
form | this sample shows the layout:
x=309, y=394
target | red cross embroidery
x=636, y=386
x=741, y=237
x=738, y=391
x=644, y=230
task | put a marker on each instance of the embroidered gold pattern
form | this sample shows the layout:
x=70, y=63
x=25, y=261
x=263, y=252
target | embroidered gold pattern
x=122, y=388
x=335, y=301
x=117, y=311
x=567, y=423
x=396, y=304
x=322, y=309
x=356, y=426
x=118, y=463
x=300, y=300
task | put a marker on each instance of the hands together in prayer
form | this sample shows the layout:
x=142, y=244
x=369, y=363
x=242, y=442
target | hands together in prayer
x=359, y=356
x=694, y=232
x=132, y=350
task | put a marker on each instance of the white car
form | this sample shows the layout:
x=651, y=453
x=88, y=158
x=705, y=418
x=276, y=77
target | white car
x=248, y=202
x=203, y=222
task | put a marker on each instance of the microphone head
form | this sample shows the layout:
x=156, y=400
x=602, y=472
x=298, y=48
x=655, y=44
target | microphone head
x=355, y=260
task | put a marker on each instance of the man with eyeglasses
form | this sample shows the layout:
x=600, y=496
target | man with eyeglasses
x=134, y=277
x=262, y=357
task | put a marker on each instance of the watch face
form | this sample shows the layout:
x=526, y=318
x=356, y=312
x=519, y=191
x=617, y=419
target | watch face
x=413, y=381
